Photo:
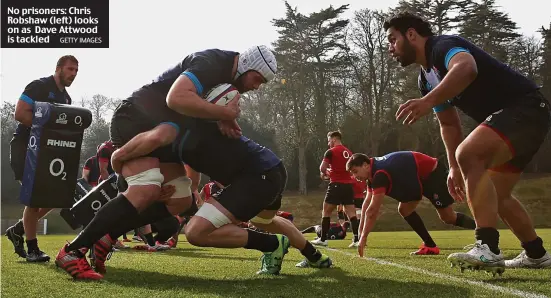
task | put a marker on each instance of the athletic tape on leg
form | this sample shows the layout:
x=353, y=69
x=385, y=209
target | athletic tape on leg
x=260, y=220
x=182, y=185
x=149, y=177
x=213, y=215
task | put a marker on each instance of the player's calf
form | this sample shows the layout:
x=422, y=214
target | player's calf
x=314, y=258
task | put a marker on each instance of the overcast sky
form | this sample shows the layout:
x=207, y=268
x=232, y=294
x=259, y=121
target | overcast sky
x=147, y=37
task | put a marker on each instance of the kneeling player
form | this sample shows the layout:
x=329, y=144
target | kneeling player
x=405, y=176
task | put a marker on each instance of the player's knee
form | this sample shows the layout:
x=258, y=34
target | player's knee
x=467, y=158
x=261, y=221
x=404, y=211
x=195, y=235
x=448, y=218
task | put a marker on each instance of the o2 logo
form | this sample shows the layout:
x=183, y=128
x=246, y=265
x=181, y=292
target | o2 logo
x=96, y=205
x=61, y=169
x=346, y=154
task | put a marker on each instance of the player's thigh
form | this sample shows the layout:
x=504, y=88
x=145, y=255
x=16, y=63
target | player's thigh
x=128, y=122
x=143, y=180
x=435, y=187
x=339, y=193
x=485, y=146
x=358, y=202
x=521, y=128
x=250, y=194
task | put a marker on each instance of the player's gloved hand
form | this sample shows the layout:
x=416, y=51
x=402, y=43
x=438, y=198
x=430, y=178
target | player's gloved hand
x=166, y=192
x=413, y=109
x=230, y=128
x=456, y=184
x=362, y=244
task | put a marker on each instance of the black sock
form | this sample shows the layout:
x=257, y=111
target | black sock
x=261, y=241
x=465, y=221
x=310, y=252
x=490, y=237
x=534, y=249
x=32, y=245
x=157, y=211
x=149, y=239
x=112, y=214
x=166, y=228
x=18, y=228
x=355, y=227
x=325, y=222
x=416, y=223
x=309, y=230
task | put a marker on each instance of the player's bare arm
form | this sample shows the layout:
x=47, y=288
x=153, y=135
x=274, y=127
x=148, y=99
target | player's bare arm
x=323, y=169
x=365, y=204
x=103, y=169
x=24, y=113
x=86, y=174
x=143, y=144
x=183, y=99
x=462, y=71
x=369, y=218
x=452, y=135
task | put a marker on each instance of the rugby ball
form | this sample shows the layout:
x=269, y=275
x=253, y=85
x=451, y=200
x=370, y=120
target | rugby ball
x=221, y=94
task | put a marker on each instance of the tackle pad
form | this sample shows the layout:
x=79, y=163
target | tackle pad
x=53, y=154
x=86, y=208
x=81, y=190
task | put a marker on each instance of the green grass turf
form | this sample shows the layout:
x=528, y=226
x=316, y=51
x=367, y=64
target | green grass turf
x=189, y=271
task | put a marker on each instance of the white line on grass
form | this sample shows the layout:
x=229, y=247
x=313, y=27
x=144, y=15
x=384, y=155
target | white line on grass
x=447, y=277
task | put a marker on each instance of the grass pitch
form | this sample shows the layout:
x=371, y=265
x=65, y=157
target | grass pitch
x=187, y=271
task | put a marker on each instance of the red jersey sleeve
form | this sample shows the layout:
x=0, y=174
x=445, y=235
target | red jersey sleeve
x=425, y=164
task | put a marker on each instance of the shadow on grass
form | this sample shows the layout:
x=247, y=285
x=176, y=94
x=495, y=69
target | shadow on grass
x=190, y=253
x=324, y=283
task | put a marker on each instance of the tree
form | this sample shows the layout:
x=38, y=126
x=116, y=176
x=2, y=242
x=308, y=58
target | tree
x=10, y=188
x=441, y=13
x=487, y=27
x=545, y=68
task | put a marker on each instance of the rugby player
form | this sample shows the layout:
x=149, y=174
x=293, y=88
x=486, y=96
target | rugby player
x=144, y=129
x=407, y=177
x=340, y=189
x=513, y=117
x=50, y=89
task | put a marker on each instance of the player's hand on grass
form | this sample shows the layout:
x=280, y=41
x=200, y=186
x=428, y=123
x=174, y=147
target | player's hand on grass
x=230, y=128
x=456, y=185
x=362, y=244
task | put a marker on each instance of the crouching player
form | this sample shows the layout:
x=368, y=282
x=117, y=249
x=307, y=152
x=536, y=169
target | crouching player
x=405, y=176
